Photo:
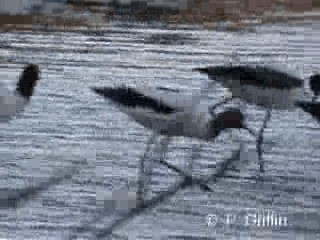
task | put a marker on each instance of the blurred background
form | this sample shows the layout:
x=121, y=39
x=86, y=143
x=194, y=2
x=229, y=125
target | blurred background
x=71, y=13
x=67, y=133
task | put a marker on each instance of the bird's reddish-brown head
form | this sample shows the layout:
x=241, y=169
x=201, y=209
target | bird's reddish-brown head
x=28, y=80
x=230, y=118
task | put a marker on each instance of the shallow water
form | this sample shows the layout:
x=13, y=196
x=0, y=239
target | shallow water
x=67, y=125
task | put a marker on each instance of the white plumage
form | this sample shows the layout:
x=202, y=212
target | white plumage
x=13, y=102
x=269, y=86
x=170, y=114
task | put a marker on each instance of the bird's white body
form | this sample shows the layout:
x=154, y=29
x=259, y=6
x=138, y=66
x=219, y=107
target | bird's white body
x=268, y=98
x=188, y=120
x=11, y=103
x=175, y=124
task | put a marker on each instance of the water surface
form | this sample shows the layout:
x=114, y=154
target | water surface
x=67, y=125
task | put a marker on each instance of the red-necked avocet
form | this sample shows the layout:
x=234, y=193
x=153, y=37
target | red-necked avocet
x=267, y=86
x=171, y=114
x=13, y=102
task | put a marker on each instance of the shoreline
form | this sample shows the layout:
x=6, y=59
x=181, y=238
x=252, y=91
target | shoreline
x=89, y=21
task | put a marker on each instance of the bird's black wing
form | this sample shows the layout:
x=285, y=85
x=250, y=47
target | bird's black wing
x=130, y=97
x=260, y=76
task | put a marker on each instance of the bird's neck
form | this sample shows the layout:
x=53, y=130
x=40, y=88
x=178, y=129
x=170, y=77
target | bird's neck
x=24, y=89
x=214, y=129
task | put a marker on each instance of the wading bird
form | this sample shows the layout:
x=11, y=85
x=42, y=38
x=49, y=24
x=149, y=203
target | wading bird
x=266, y=86
x=170, y=114
x=13, y=102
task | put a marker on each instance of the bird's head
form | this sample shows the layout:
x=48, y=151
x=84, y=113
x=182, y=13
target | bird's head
x=231, y=118
x=28, y=80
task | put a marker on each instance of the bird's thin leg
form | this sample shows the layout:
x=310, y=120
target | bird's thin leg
x=196, y=148
x=160, y=149
x=164, y=144
x=260, y=139
x=141, y=176
x=213, y=107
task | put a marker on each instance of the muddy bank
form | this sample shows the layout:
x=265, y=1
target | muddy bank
x=66, y=22
x=236, y=14
x=230, y=15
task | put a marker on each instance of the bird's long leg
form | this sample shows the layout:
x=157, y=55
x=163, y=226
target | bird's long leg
x=161, y=150
x=196, y=149
x=164, y=144
x=141, y=176
x=260, y=139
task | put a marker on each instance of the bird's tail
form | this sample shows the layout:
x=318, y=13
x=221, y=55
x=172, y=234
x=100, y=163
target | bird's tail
x=122, y=95
x=201, y=70
x=103, y=91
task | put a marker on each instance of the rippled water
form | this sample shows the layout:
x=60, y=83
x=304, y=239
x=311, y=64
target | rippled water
x=68, y=126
